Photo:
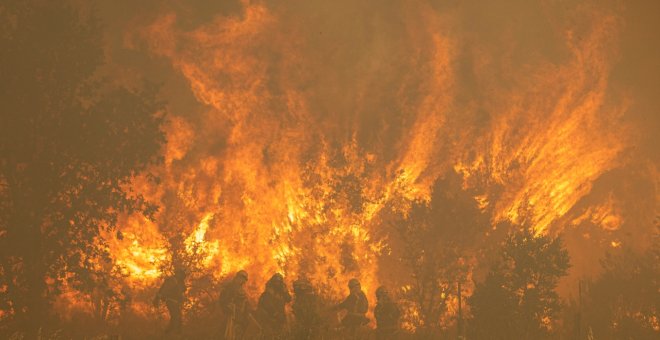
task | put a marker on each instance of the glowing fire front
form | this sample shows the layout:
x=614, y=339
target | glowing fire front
x=281, y=170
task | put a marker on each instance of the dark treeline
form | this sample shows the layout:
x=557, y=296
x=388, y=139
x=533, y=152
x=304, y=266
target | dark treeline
x=69, y=143
x=71, y=140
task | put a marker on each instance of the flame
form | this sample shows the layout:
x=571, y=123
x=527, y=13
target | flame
x=195, y=243
x=140, y=251
x=553, y=136
x=606, y=215
x=277, y=173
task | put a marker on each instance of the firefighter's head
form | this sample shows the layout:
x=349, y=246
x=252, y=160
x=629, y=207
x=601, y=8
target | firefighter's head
x=277, y=281
x=277, y=277
x=381, y=293
x=354, y=285
x=241, y=277
x=302, y=286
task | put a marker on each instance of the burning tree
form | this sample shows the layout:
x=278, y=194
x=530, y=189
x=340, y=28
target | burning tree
x=69, y=145
x=436, y=239
x=518, y=298
x=293, y=128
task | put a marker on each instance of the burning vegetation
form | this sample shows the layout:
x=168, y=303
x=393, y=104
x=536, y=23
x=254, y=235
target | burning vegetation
x=238, y=169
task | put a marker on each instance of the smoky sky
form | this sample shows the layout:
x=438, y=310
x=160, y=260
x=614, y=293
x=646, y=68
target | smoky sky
x=360, y=65
x=528, y=24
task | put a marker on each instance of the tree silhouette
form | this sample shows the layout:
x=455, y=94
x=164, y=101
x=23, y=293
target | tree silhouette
x=69, y=145
x=623, y=302
x=518, y=298
x=435, y=238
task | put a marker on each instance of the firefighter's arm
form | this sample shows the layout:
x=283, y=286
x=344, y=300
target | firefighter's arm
x=287, y=296
x=159, y=295
x=157, y=299
x=344, y=304
x=396, y=313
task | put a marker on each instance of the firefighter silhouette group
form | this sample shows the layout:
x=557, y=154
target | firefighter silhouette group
x=269, y=319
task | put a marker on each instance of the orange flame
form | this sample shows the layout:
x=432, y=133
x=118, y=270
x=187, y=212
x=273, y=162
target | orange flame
x=278, y=175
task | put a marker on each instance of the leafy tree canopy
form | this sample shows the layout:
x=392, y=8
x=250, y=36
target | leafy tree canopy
x=69, y=145
x=518, y=298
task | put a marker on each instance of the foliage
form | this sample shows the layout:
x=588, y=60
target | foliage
x=436, y=238
x=518, y=298
x=623, y=302
x=69, y=145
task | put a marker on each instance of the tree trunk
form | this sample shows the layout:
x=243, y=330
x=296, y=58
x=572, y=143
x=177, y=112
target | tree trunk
x=36, y=299
x=25, y=231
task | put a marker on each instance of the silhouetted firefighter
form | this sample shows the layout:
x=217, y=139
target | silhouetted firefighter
x=172, y=292
x=356, y=306
x=387, y=315
x=306, y=310
x=233, y=301
x=271, y=308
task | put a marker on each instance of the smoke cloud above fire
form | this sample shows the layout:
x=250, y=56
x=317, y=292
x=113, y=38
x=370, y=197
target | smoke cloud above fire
x=295, y=127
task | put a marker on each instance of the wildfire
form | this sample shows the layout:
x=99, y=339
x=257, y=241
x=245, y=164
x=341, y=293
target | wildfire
x=195, y=243
x=553, y=137
x=277, y=174
x=139, y=251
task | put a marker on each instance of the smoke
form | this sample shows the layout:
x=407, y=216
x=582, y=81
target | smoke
x=294, y=124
